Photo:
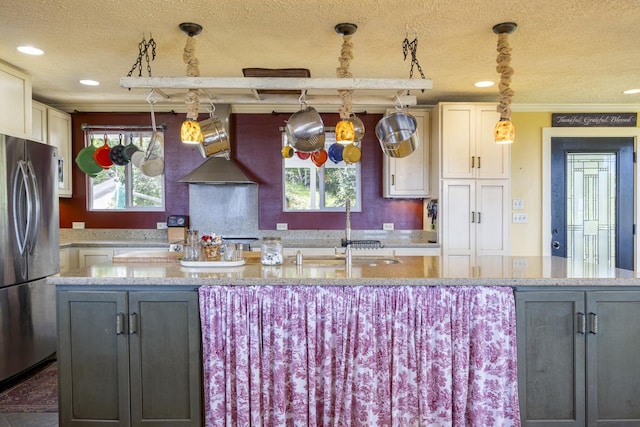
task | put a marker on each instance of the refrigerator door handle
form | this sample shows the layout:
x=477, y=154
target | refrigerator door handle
x=21, y=234
x=36, y=209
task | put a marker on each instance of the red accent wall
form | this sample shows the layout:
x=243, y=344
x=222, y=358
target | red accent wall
x=256, y=144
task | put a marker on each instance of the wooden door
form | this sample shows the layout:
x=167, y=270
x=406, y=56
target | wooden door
x=492, y=160
x=613, y=364
x=492, y=217
x=93, y=359
x=457, y=135
x=164, y=331
x=551, y=358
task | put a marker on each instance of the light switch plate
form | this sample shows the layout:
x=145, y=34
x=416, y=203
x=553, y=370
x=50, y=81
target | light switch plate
x=518, y=204
x=520, y=218
x=387, y=226
x=282, y=226
x=77, y=225
x=161, y=225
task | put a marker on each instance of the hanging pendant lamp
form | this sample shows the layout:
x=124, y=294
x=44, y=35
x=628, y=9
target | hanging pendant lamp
x=504, y=131
x=190, y=132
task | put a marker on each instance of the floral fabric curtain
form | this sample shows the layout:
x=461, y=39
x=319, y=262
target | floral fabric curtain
x=359, y=356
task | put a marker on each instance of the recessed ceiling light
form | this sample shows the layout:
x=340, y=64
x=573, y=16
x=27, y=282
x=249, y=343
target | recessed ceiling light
x=88, y=82
x=30, y=50
x=484, y=83
x=631, y=91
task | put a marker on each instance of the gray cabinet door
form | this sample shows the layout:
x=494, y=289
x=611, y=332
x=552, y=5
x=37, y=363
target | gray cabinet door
x=551, y=358
x=93, y=359
x=129, y=359
x=613, y=358
x=165, y=357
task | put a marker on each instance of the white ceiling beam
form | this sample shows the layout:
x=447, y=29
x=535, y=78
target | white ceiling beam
x=274, y=83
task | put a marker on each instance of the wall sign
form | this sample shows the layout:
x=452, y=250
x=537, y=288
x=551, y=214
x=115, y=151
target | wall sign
x=594, y=119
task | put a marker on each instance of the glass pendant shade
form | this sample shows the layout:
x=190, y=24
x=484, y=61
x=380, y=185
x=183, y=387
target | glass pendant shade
x=190, y=132
x=504, y=132
x=345, y=132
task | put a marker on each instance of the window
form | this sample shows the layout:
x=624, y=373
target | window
x=125, y=188
x=326, y=188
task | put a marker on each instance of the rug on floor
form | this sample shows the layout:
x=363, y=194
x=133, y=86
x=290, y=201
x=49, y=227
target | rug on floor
x=37, y=393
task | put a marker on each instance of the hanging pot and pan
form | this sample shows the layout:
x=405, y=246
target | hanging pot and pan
x=305, y=130
x=398, y=134
x=116, y=154
x=130, y=149
x=216, y=139
x=85, y=161
x=101, y=155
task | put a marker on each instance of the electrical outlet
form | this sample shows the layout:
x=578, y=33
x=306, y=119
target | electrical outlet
x=520, y=218
x=387, y=226
x=161, y=225
x=518, y=204
x=282, y=226
x=77, y=225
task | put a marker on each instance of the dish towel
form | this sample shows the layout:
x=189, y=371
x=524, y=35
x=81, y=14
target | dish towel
x=359, y=356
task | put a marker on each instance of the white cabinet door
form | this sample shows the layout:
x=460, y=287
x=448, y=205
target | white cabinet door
x=15, y=102
x=38, y=122
x=474, y=217
x=408, y=177
x=466, y=142
x=89, y=257
x=457, y=226
x=491, y=216
x=59, y=135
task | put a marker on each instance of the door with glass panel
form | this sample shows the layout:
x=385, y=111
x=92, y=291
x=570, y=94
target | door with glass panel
x=592, y=200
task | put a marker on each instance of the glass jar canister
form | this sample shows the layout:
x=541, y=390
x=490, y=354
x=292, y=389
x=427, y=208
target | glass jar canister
x=271, y=251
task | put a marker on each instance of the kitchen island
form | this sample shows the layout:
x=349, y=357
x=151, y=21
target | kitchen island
x=150, y=311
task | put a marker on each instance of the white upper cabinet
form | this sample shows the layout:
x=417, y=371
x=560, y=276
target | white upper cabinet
x=408, y=177
x=468, y=150
x=38, y=122
x=15, y=101
x=59, y=135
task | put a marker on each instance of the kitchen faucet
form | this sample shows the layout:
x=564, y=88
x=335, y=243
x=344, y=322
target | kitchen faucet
x=348, y=244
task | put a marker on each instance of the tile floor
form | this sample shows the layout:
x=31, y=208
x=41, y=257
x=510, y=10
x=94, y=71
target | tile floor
x=49, y=419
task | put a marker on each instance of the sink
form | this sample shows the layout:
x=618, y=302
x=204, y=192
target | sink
x=356, y=260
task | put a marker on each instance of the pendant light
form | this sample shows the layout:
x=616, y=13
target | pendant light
x=504, y=131
x=350, y=128
x=190, y=132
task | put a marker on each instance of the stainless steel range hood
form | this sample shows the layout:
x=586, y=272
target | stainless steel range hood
x=217, y=170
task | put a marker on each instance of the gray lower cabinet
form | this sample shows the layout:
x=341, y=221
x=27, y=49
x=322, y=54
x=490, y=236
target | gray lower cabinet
x=129, y=358
x=579, y=357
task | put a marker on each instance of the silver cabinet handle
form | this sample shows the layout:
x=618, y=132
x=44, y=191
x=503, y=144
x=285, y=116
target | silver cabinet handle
x=133, y=323
x=393, y=179
x=119, y=323
x=478, y=217
x=473, y=216
x=478, y=162
x=593, y=323
x=581, y=323
x=473, y=162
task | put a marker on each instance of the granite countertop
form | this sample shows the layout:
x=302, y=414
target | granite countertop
x=410, y=270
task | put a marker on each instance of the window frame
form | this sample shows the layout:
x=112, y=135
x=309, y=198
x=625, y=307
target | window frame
x=113, y=135
x=356, y=205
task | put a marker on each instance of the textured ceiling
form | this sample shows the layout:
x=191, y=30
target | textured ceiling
x=564, y=51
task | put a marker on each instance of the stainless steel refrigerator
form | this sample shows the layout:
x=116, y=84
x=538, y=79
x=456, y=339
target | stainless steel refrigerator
x=29, y=252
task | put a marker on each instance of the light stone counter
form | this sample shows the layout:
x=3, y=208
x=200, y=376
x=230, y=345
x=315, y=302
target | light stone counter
x=411, y=270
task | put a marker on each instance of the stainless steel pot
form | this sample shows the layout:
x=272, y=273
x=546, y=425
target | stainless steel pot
x=216, y=139
x=305, y=130
x=398, y=134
